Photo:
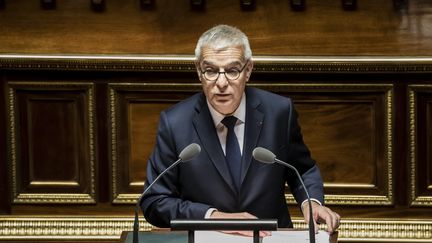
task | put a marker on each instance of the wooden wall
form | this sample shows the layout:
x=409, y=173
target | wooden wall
x=82, y=91
x=172, y=27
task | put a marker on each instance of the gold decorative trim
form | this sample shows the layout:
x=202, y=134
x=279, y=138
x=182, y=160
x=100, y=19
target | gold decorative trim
x=136, y=183
x=12, y=150
x=341, y=185
x=31, y=227
x=389, y=144
x=412, y=143
x=113, y=145
x=130, y=198
x=54, y=183
x=57, y=198
x=185, y=63
x=126, y=198
x=66, y=227
x=91, y=131
x=416, y=200
x=347, y=199
x=75, y=198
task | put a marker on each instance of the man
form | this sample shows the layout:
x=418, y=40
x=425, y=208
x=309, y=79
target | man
x=224, y=181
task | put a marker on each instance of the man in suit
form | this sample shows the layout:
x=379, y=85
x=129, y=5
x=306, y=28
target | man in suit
x=229, y=120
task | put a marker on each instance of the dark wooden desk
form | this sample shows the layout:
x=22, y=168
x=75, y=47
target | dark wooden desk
x=168, y=236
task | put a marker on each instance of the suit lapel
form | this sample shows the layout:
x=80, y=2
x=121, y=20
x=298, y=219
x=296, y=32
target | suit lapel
x=206, y=131
x=253, y=125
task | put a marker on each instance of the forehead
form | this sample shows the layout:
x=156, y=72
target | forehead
x=222, y=56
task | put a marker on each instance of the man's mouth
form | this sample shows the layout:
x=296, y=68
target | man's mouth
x=222, y=97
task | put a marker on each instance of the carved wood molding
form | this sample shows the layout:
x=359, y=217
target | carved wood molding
x=32, y=227
x=185, y=63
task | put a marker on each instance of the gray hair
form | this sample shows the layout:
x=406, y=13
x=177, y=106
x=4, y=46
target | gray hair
x=221, y=37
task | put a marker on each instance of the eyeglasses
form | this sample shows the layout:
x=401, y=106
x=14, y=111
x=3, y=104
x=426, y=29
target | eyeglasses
x=231, y=74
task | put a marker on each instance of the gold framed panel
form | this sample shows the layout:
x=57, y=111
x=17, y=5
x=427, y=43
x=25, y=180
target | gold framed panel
x=46, y=197
x=371, y=198
x=123, y=185
x=417, y=198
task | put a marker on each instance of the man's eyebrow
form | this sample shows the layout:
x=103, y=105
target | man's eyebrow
x=208, y=63
x=235, y=63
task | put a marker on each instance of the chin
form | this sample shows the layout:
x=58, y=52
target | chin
x=223, y=109
x=225, y=112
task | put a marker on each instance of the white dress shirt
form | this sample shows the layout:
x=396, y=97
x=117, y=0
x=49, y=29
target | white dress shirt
x=239, y=128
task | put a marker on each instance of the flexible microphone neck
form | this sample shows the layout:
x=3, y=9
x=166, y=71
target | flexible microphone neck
x=186, y=154
x=266, y=156
x=138, y=204
x=311, y=220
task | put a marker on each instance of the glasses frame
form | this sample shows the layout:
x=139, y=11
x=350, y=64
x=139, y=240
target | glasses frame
x=224, y=72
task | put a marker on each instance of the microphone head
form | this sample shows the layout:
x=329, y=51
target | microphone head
x=189, y=152
x=264, y=155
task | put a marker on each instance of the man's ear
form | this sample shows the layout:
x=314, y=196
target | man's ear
x=249, y=69
x=198, y=69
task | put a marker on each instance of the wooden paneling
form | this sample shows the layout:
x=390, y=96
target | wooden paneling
x=79, y=130
x=348, y=129
x=366, y=121
x=52, y=147
x=421, y=144
x=172, y=27
x=134, y=113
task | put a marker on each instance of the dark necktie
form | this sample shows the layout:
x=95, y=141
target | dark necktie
x=232, y=150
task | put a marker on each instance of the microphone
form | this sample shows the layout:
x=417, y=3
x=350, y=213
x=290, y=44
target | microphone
x=188, y=153
x=266, y=156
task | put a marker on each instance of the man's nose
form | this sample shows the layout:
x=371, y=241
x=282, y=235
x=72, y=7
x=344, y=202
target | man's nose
x=222, y=81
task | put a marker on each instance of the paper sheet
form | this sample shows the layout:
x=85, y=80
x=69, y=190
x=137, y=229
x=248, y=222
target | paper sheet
x=297, y=236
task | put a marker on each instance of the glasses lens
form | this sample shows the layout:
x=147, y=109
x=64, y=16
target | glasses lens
x=211, y=75
x=232, y=74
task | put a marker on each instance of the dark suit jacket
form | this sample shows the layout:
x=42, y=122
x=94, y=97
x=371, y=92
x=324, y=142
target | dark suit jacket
x=193, y=187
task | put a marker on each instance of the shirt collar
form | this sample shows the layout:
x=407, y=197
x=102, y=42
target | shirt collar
x=240, y=112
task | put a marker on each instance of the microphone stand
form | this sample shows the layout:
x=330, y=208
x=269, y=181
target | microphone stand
x=186, y=154
x=137, y=206
x=311, y=220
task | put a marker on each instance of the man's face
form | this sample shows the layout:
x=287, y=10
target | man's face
x=224, y=95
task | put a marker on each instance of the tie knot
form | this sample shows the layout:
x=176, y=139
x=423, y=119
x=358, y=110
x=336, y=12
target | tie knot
x=229, y=121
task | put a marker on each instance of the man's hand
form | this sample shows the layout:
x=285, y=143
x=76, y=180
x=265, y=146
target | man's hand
x=221, y=215
x=322, y=214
